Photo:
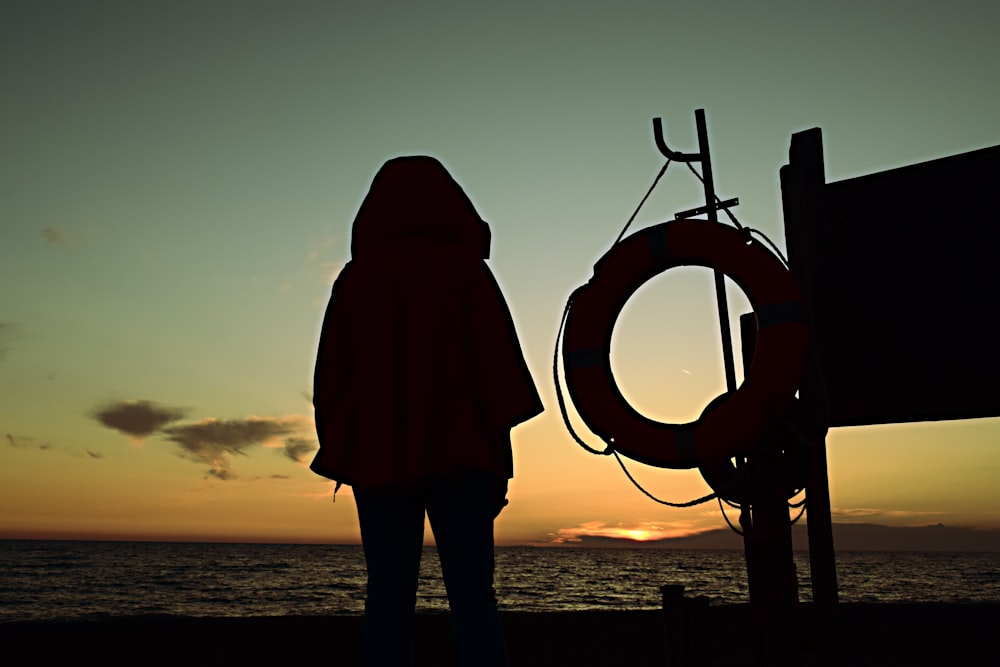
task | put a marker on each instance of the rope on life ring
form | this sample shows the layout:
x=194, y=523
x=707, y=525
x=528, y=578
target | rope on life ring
x=735, y=426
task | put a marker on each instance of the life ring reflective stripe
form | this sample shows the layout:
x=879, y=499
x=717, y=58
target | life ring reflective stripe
x=748, y=414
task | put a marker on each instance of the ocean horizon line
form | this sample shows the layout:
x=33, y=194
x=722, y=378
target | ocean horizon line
x=848, y=537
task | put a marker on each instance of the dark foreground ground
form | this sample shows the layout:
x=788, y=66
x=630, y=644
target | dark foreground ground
x=871, y=634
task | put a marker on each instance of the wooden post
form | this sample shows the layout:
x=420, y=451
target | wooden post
x=675, y=618
x=802, y=181
x=767, y=535
x=684, y=619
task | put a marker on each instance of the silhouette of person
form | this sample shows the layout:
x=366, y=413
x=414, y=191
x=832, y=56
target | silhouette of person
x=419, y=379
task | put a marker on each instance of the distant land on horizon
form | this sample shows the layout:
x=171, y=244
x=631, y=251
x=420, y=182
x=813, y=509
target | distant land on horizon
x=846, y=537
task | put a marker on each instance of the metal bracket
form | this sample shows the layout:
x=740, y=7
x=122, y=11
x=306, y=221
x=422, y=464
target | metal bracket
x=719, y=206
x=661, y=144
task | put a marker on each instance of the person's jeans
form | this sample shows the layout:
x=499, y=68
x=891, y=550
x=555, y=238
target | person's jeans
x=460, y=510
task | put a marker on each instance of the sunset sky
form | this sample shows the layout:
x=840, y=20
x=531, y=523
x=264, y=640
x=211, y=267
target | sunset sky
x=178, y=181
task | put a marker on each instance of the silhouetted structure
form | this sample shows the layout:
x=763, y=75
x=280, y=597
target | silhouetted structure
x=899, y=298
x=899, y=273
x=419, y=379
x=747, y=441
x=896, y=268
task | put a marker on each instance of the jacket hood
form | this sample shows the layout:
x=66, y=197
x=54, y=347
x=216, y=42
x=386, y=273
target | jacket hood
x=415, y=199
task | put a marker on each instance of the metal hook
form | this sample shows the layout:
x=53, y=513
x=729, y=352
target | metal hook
x=665, y=150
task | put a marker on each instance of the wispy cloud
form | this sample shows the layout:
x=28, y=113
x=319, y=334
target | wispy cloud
x=26, y=442
x=855, y=514
x=320, y=258
x=299, y=449
x=31, y=443
x=215, y=441
x=137, y=419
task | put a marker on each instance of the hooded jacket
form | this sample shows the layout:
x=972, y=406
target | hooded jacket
x=419, y=371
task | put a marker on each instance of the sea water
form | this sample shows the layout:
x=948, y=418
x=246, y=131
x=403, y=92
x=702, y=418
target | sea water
x=65, y=580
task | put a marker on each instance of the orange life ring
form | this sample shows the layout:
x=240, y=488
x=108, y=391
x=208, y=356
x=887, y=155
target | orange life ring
x=735, y=426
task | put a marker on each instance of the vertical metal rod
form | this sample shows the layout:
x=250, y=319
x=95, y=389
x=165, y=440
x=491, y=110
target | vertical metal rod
x=720, y=279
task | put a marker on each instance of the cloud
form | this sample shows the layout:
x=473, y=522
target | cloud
x=212, y=441
x=643, y=531
x=851, y=514
x=137, y=419
x=55, y=237
x=26, y=442
x=299, y=449
x=215, y=441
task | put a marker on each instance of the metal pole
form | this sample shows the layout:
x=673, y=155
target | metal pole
x=720, y=279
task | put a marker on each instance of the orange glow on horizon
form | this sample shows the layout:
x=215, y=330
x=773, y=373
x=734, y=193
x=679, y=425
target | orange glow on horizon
x=640, y=532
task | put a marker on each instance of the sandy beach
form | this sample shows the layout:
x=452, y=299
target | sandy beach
x=871, y=635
